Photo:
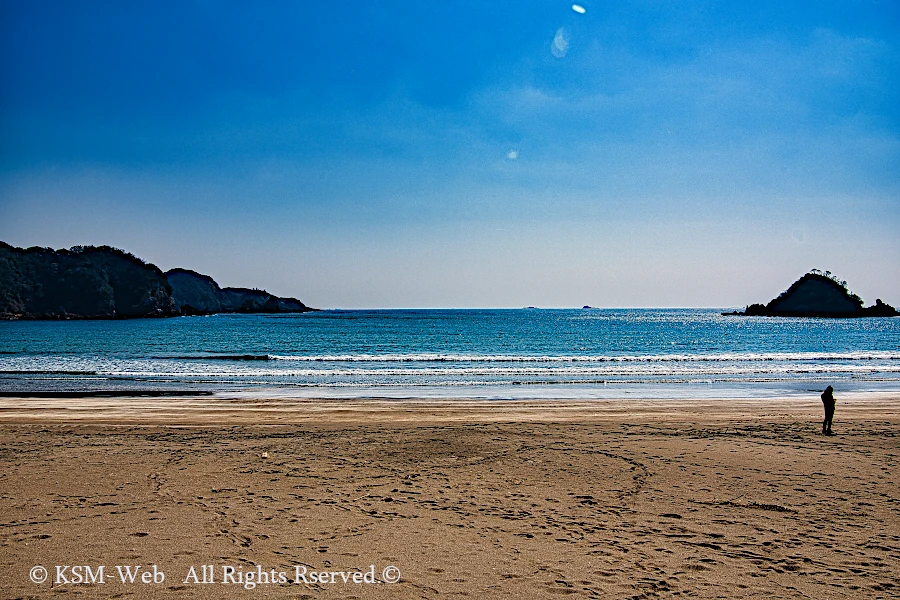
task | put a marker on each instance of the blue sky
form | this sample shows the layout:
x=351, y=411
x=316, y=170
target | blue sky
x=413, y=154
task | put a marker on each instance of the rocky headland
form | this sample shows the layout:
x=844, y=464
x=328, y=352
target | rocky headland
x=818, y=294
x=100, y=282
x=195, y=293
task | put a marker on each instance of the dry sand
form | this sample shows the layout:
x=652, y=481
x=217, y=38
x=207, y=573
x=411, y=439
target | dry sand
x=598, y=499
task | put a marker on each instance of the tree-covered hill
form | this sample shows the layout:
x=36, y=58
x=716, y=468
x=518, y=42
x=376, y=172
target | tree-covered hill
x=101, y=282
x=92, y=282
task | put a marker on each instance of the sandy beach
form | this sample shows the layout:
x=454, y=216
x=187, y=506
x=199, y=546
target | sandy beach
x=467, y=499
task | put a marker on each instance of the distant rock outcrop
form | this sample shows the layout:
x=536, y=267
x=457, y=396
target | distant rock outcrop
x=194, y=293
x=88, y=282
x=818, y=294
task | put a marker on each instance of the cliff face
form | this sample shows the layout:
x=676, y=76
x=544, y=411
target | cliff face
x=819, y=295
x=84, y=282
x=88, y=282
x=194, y=293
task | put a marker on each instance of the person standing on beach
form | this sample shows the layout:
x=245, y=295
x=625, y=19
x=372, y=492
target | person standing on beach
x=828, y=401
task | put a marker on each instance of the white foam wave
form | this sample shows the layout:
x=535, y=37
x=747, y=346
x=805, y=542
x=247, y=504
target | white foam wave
x=726, y=357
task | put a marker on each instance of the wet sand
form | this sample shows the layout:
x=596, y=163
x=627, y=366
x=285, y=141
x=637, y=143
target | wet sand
x=591, y=499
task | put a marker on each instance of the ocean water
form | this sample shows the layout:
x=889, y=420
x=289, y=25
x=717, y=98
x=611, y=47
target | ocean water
x=527, y=353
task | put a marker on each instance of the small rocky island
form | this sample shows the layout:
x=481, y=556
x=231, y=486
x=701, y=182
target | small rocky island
x=100, y=282
x=818, y=294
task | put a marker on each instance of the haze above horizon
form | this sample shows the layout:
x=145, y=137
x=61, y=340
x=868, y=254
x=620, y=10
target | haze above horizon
x=462, y=155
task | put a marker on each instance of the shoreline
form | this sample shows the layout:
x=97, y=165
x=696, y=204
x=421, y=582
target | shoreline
x=198, y=409
x=102, y=393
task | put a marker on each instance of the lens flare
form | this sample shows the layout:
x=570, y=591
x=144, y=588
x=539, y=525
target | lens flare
x=560, y=45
